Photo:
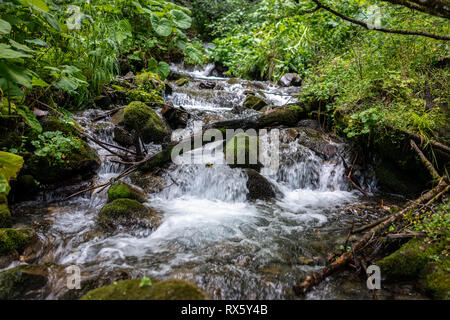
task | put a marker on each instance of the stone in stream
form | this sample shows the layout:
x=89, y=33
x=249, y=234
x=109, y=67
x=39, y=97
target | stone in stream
x=172, y=289
x=128, y=213
x=122, y=190
x=318, y=141
x=207, y=85
x=290, y=79
x=148, y=182
x=123, y=137
x=22, y=282
x=175, y=117
x=138, y=116
x=254, y=102
x=259, y=188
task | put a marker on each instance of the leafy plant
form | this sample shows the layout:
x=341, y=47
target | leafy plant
x=145, y=282
x=54, y=146
x=10, y=165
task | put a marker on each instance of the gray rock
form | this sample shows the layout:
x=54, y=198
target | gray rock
x=290, y=79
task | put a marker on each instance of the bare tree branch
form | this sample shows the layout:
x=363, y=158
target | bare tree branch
x=438, y=8
x=370, y=27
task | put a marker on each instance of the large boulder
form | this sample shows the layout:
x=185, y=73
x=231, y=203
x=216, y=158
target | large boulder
x=254, y=102
x=122, y=190
x=242, y=151
x=259, y=188
x=290, y=79
x=123, y=137
x=152, y=289
x=128, y=213
x=138, y=116
x=318, y=141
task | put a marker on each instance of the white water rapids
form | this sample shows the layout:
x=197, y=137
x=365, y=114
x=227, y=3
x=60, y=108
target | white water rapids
x=210, y=233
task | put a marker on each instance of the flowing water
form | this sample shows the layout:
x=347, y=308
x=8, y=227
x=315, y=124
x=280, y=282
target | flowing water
x=210, y=233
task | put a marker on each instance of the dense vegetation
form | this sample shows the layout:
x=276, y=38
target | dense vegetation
x=375, y=88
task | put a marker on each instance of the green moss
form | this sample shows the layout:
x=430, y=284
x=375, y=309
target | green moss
x=144, y=96
x=122, y=190
x=254, y=102
x=55, y=124
x=181, y=82
x=159, y=290
x=17, y=282
x=408, y=261
x=145, y=121
x=436, y=279
x=5, y=216
x=127, y=212
x=14, y=240
x=288, y=115
x=243, y=149
x=149, y=81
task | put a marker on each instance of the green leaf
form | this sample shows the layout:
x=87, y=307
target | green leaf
x=37, y=42
x=7, y=53
x=16, y=74
x=163, y=28
x=164, y=70
x=20, y=46
x=5, y=27
x=39, y=82
x=40, y=4
x=10, y=165
x=181, y=19
x=30, y=118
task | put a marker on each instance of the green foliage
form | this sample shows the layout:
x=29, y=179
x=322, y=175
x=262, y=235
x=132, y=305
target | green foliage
x=10, y=165
x=54, y=146
x=435, y=222
x=145, y=282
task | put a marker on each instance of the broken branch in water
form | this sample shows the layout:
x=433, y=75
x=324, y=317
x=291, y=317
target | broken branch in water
x=312, y=280
x=107, y=114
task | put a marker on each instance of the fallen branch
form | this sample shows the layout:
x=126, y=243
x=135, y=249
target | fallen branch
x=434, y=174
x=346, y=258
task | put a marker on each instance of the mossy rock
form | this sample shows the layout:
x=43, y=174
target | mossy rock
x=143, y=96
x=288, y=115
x=181, y=82
x=172, y=289
x=240, y=152
x=5, y=216
x=149, y=81
x=435, y=279
x=408, y=261
x=146, y=122
x=121, y=189
x=80, y=163
x=12, y=240
x=127, y=213
x=254, y=102
x=21, y=281
x=54, y=124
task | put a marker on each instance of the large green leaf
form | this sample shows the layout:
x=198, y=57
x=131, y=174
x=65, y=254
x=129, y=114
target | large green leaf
x=20, y=46
x=6, y=52
x=29, y=118
x=37, y=42
x=10, y=165
x=16, y=74
x=164, y=69
x=5, y=27
x=181, y=19
x=162, y=27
